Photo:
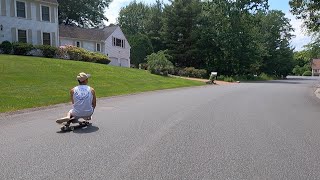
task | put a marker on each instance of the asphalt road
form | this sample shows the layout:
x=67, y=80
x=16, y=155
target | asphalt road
x=267, y=130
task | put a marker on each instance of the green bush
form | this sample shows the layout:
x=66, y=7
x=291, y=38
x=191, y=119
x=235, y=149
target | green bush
x=229, y=79
x=307, y=73
x=6, y=47
x=143, y=66
x=80, y=54
x=21, y=48
x=192, y=72
x=95, y=57
x=48, y=51
x=159, y=64
x=76, y=53
x=221, y=77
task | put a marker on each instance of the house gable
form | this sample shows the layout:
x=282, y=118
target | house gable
x=315, y=64
x=118, y=33
x=118, y=52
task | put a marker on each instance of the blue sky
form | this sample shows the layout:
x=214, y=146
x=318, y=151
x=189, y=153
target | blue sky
x=279, y=4
x=283, y=5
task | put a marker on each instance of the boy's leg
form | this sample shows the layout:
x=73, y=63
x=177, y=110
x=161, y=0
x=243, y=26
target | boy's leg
x=65, y=119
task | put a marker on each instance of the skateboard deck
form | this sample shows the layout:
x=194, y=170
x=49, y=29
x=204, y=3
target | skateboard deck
x=74, y=126
x=73, y=123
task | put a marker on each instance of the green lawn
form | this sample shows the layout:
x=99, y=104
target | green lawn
x=28, y=82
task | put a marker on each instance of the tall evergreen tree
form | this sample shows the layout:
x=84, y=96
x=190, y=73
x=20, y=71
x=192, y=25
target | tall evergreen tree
x=154, y=24
x=180, y=37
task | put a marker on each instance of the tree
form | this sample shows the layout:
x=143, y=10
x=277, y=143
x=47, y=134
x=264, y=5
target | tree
x=140, y=47
x=179, y=31
x=231, y=42
x=82, y=13
x=308, y=11
x=159, y=64
x=277, y=35
x=132, y=18
x=154, y=24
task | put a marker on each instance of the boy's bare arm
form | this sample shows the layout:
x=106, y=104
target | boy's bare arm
x=71, y=95
x=94, y=100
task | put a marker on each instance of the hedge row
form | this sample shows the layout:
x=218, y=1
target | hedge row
x=63, y=52
x=191, y=72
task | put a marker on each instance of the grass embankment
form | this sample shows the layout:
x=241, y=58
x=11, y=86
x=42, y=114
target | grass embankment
x=28, y=82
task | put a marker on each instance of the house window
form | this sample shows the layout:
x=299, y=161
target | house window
x=46, y=39
x=98, y=47
x=45, y=13
x=22, y=36
x=78, y=44
x=21, y=9
x=118, y=42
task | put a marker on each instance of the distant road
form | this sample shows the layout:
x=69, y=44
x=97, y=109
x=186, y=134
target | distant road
x=264, y=130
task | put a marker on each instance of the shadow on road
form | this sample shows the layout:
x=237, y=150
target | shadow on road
x=89, y=129
x=83, y=130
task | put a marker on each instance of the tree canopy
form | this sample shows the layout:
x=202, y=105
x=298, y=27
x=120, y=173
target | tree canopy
x=82, y=13
x=231, y=37
x=308, y=11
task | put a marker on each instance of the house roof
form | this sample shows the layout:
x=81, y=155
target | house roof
x=85, y=33
x=50, y=1
x=316, y=64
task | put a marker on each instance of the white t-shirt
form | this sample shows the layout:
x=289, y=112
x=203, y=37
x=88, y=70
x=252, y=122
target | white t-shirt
x=82, y=98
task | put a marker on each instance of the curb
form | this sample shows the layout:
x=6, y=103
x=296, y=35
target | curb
x=317, y=92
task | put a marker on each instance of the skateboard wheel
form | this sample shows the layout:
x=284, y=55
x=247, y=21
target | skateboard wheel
x=63, y=128
x=71, y=128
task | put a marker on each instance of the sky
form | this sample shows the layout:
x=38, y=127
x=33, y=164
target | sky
x=298, y=41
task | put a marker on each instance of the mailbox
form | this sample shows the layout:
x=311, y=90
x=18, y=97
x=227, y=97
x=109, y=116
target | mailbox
x=213, y=76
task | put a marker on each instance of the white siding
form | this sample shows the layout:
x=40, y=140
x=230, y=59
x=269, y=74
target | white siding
x=64, y=42
x=114, y=61
x=117, y=53
x=89, y=45
x=32, y=24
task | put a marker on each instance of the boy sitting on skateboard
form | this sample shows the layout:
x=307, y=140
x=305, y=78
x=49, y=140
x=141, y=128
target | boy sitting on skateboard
x=83, y=98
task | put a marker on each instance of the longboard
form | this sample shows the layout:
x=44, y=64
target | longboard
x=72, y=127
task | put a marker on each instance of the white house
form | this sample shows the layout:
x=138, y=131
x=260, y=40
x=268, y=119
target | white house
x=109, y=40
x=36, y=22
x=31, y=21
x=315, y=65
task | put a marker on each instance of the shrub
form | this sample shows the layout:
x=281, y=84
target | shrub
x=229, y=79
x=95, y=57
x=159, y=64
x=192, y=72
x=143, y=66
x=21, y=48
x=80, y=54
x=62, y=53
x=307, y=73
x=6, y=47
x=75, y=53
x=48, y=51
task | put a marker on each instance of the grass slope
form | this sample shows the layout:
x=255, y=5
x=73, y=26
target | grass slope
x=28, y=82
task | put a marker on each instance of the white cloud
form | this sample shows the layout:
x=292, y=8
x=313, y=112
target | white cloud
x=301, y=38
x=113, y=11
